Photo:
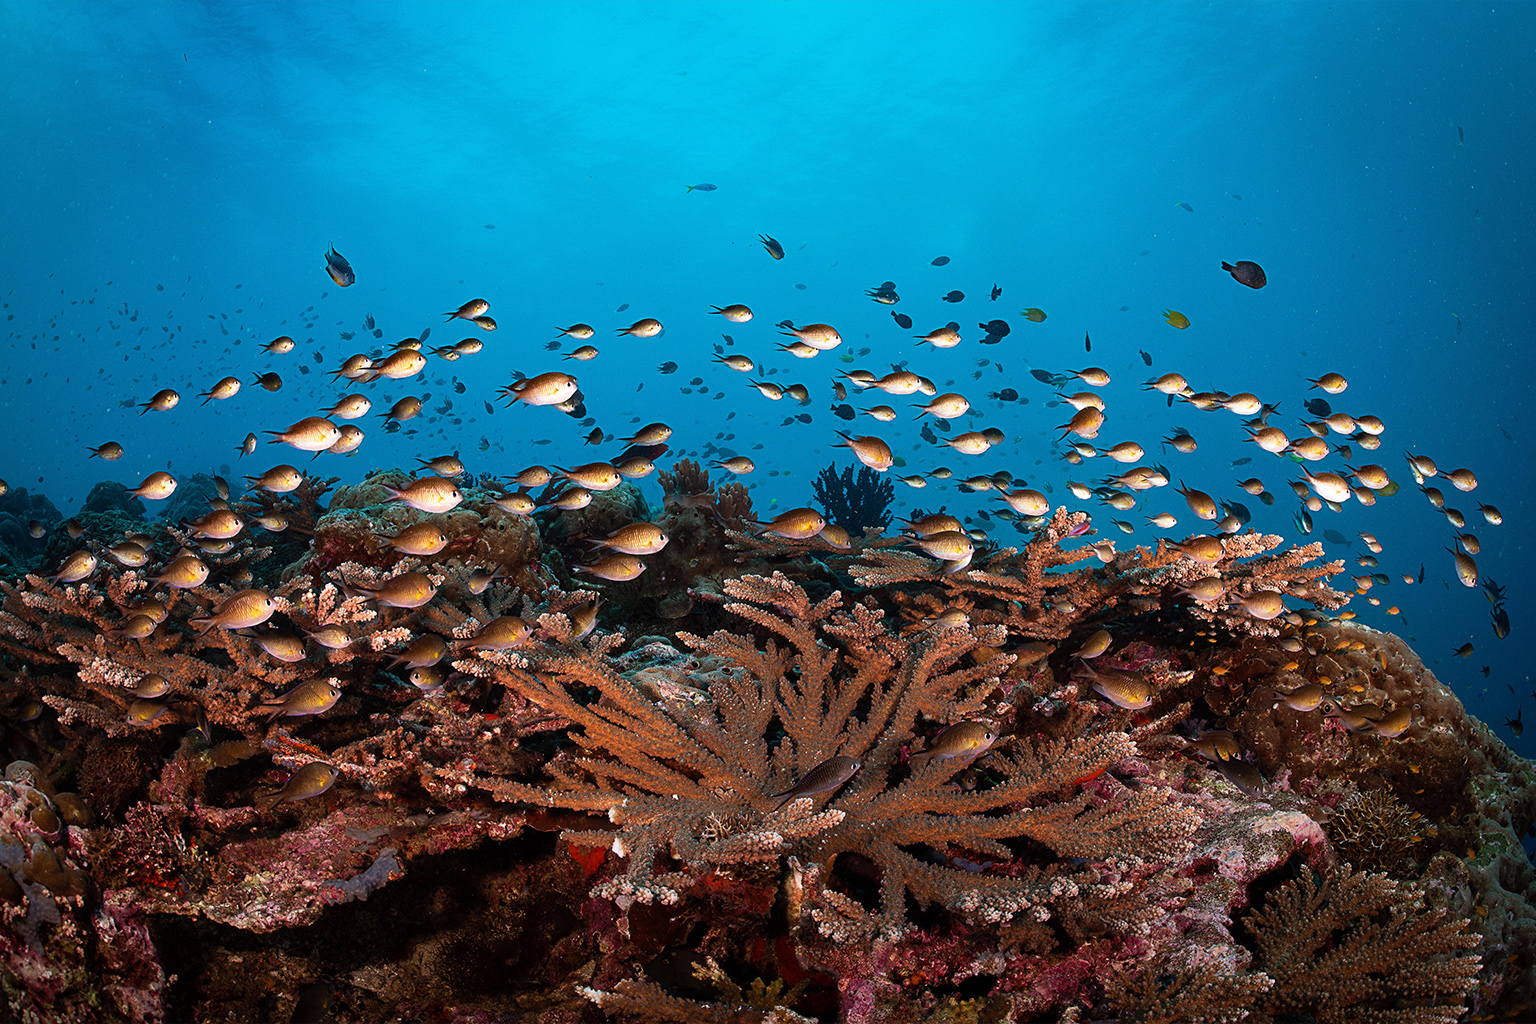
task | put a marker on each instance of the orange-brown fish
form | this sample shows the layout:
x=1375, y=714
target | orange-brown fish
x=278, y=346
x=399, y=365
x=738, y=465
x=238, y=611
x=422, y=539
x=594, y=476
x=960, y=743
x=871, y=451
x=225, y=388
x=310, y=434
x=156, y=487
x=407, y=590
x=617, y=568
x=648, y=327
x=468, y=311
x=426, y=649
x=111, y=451
x=75, y=568
x=220, y=524
x=500, y=634
x=1125, y=689
x=635, y=539
x=280, y=644
x=162, y=401
x=796, y=524
x=428, y=494
x=311, y=697
x=545, y=389
x=183, y=572
x=309, y=781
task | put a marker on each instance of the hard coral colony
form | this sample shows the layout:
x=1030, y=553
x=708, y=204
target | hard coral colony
x=797, y=768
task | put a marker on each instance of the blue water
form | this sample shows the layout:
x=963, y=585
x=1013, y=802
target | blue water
x=1381, y=153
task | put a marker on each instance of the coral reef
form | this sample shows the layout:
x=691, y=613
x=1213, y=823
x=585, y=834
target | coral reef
x=765, y=780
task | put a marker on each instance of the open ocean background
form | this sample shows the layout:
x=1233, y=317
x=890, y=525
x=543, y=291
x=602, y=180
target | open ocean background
x=173, y=173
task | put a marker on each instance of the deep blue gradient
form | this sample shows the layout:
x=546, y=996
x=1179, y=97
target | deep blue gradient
x=217, y=150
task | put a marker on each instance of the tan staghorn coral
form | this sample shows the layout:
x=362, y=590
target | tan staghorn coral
x=832, y=682
x=1361, y=948
x=1043, y=604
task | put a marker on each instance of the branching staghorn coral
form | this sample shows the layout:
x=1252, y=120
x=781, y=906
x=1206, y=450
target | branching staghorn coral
x=1360, y=947
x=1040, y=604
x=696, y=780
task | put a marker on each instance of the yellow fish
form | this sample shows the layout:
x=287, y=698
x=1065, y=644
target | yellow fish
x=1175, y=318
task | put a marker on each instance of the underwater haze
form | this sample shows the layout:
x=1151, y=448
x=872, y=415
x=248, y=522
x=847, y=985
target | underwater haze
x=174, y=174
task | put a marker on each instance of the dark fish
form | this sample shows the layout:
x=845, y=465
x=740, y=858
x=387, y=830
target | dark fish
x=728, y=339
x=1238, y=509
x=844, y=412
x=954, y=296
x=368, y=323
x=996, y=291
x=705, y=187
x=490, y=227
x=1145, y=357
x=1461, y=136
x=1185, y=207
x=340, y=270
x=1005, y=395
x=996, y=330
x=928, y=435
x=804, y=417
x=1246, y=272
x=622, y=308
x=1236, y=196
x=1087, y=342
x=1043, y=376
x=902, y=320
x=1243, y=775
x=824, y=778
x=1421, y=572
x=772, y=245
x=1515, y=725
x=1464, y=651
x=1500, y=623
x=939, y=261
x=1335, y=537
x=667, y=367
x=1242, y=461
x=885, y=294
x=551, y=346
x=800, y=287
x=1318, y=407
